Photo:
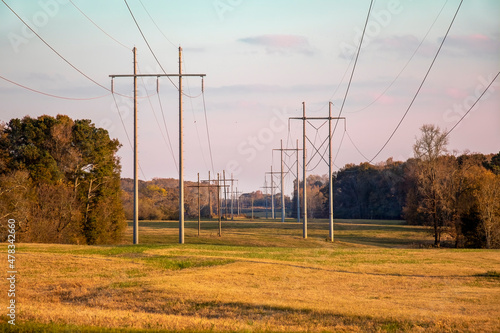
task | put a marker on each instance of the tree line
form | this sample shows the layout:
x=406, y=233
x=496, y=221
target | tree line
x=60, y=181
x=457, y=195
x=159, y=199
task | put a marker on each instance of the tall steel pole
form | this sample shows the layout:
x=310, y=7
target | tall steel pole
x=304, y=162
x=181, y=157
x=232, y=196
x=304, y=166
x=265, y=197
x=252, y=208
x=298, y=184
x=282, y=187
x=225, y=194
x=209, y=196
x=136, y=160
x=237, y=200
x=272, y=193
x=199, y=211
x=330, y=186
x=218, y=205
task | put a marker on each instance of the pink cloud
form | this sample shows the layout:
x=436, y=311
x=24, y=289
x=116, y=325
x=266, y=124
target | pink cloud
x=382, y=99
x=475, y=43
x=456, y=93
x=281, y=43
x=479, y=37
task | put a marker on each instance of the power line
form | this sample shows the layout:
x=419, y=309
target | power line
x=156, y=25
x=407, y=63
x=342, y=80
x=52, y=95
x=48, y=45
x=121, y=119
x=359, y=151
x=126, y=132
x=338, y=150
x=147, y=43
x=97, y=26
x=421, y=84
x=194, y=116
x=354, y=66
x=150, y=49
x=346, y=93
x=339, y=84
x=447, y=133
x=168, y=136
x=485, y=90
x=208, y=132
x=167, y=142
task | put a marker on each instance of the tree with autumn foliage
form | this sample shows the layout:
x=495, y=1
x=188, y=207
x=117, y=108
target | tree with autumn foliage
x=60, y=179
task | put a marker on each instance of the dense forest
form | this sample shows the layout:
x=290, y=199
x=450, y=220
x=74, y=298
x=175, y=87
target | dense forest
x=60, y=181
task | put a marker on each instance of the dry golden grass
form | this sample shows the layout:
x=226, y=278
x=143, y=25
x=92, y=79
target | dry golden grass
x=260, y=277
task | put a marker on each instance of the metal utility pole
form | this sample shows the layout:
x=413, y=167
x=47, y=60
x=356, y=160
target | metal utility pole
x=225, y=193
x=329, y=118
x=181, y=156
x=181, y=159
x=199, y=210
x=282, y=179
x=237, y=199
x=218, y=186
x=298, y=184
x=265, y=200
x=330, y=183
x=218, y=204
x=304, y=164
x=219, y=207
x=252, y=208
x=232, y=180
x=238, y=194
x=266, y=187
x=282, y=187
x=272, y=191
x=209, y=196
x=232, y=198
x=136, y=157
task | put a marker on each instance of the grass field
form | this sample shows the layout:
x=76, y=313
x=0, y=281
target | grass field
x=262, y=276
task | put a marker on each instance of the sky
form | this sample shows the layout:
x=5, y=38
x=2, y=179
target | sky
x=262, y=60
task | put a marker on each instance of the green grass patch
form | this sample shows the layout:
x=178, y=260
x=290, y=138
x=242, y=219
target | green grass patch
x=34, y=327
x=177, y=263
x=136, y=273
x=125, y=284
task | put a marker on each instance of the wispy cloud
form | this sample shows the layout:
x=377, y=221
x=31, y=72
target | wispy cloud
x=474, y=44
x=455, y=45
x=405, y=44
x=284, y=44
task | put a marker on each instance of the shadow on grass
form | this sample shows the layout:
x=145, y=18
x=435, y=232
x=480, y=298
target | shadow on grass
x=288, y=318
x=358, y=273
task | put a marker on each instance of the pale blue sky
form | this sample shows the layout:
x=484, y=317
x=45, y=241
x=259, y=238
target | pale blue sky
x=262, y=60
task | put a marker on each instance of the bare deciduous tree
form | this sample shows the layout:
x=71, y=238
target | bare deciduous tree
x=432, y=176
x=488, y=200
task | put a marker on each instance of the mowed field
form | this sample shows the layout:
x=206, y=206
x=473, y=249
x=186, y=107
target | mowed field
x=260, y=276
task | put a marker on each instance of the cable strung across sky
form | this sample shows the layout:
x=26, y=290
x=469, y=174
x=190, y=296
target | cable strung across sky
x=259, y=75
